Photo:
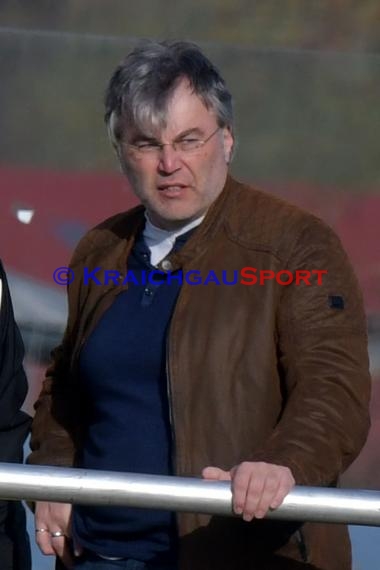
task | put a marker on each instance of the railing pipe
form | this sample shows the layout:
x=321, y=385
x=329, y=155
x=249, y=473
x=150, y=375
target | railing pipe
x=66, y=485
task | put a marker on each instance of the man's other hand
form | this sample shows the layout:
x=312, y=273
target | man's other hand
x=256, y=486
x=53, y=531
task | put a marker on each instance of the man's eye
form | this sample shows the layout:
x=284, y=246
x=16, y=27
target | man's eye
x=188, y=143
x=147, y=146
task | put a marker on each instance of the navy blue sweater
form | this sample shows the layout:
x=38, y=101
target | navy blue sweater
x=123, y=377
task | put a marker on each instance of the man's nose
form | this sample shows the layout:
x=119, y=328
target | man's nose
x=169, y=159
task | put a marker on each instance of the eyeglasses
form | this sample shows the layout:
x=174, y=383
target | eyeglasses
x=153, y=148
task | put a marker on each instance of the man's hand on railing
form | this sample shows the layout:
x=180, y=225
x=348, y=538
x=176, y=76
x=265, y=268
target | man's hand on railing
x=256, y=486
x=53, y=531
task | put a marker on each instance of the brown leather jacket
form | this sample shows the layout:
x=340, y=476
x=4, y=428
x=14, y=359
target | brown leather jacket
x=263, y=373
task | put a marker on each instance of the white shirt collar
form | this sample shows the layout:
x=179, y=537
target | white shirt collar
x=160, y=242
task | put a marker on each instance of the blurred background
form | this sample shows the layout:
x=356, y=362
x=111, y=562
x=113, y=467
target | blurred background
x=305, y=75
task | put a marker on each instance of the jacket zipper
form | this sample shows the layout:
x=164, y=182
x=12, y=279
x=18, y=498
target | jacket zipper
x=173, y=448
x=169, y=393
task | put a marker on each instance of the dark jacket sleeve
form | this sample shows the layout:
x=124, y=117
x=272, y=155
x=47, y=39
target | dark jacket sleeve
x=14, y=428
x=14, y=423
x=323, y=360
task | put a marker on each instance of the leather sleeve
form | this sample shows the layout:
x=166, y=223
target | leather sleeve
x=324, y=364
x=52, y=440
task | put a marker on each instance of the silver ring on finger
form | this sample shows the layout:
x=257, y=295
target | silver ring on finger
x=57, y=534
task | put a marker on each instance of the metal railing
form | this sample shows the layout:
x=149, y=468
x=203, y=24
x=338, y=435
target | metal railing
x=61, y=484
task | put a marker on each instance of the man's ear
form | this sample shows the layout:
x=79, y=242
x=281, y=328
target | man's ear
x=228, y=144
x=111, y=128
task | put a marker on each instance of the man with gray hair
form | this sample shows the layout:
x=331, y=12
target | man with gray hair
x=251, y=380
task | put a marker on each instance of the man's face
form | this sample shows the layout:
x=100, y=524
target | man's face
x=178, y=186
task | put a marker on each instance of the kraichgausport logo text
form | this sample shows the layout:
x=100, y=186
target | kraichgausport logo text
x=247, y=276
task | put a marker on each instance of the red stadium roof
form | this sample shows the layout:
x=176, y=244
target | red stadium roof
x=65, y=205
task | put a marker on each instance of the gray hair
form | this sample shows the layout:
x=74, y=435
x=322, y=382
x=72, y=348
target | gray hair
x=141, y=86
